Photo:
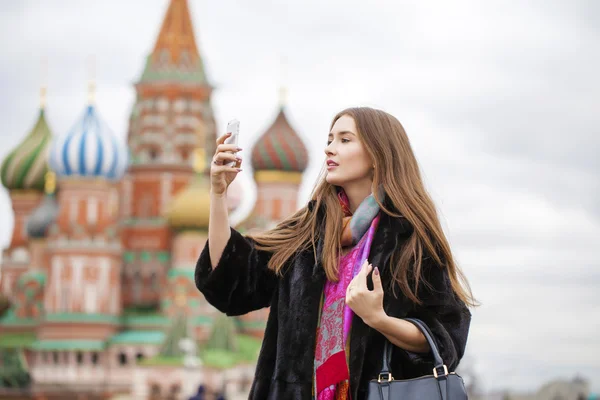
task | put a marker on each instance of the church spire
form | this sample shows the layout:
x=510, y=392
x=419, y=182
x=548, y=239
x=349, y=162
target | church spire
x=176, y=33
x=175, y=56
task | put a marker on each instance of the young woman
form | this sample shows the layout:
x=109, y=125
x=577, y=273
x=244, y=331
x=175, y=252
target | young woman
x=342, y=272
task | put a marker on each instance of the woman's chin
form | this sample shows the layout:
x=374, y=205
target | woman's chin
x=333, y=180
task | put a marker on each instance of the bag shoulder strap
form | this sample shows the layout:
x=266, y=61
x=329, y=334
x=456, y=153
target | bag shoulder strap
x=387, y=350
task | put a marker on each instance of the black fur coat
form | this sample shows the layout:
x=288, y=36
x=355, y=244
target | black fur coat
x=242, y=283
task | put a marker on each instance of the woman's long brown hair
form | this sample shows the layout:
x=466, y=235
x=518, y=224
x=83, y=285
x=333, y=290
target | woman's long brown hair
x=396, y=168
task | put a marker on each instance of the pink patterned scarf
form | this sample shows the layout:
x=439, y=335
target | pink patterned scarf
x=331, y=375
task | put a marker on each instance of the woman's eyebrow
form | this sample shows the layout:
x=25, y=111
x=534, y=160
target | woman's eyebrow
x=343, y=133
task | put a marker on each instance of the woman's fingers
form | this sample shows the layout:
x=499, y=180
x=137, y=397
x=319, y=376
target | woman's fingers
x=221, y=139
x=221, y=158
x=363, y=271
x=227, y=147
x=361, y=276
x=219, y=169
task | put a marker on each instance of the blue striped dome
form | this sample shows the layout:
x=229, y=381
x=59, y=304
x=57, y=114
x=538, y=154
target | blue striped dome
x=90, y=149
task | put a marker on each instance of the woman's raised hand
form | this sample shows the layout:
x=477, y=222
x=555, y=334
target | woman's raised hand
x=221, y=175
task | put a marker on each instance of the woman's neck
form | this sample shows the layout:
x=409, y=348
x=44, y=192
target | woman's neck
x=356, y=194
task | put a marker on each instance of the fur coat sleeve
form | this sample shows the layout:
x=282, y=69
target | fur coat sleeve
x=445, y=314
x=241, y=282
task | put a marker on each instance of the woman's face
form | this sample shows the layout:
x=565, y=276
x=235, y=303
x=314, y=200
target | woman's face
x=347, y=160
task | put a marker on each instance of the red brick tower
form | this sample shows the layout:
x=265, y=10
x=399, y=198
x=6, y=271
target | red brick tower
x=173, y=101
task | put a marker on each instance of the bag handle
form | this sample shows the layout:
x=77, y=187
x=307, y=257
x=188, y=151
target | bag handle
x=437, y=359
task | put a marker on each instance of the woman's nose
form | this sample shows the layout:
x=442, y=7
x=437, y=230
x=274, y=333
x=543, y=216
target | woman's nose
x=329, y=149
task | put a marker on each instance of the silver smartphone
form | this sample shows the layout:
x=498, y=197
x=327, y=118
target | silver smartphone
x=234, y=127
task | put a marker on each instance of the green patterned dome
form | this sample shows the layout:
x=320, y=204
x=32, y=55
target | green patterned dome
x=26, y=166
x=280, y=148
x=223, y=335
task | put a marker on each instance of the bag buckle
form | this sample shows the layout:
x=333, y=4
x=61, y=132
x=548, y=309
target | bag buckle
x=389, y=378
x=435, y=373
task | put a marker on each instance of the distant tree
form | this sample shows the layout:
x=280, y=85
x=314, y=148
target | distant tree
x=13, y=373
x=4, y=304
x=466, y=370
x=155, y=392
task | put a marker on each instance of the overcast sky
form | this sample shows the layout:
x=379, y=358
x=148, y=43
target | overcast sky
x=499, y=98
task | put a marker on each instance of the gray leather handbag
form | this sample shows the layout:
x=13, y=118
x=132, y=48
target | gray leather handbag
x=441, y=385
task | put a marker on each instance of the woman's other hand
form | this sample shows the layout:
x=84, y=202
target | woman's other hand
x=367, y=304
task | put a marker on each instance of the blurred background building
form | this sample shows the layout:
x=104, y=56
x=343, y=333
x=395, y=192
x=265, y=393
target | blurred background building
x=96, y=290
x=97, y=284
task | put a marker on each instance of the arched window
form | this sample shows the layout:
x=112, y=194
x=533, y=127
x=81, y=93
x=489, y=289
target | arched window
x=65, y=298
x=184, y=59
x=145, y=206
x=92, y=211
x=185, y=155
x=155, y=392
x=174, y=391
x=164, y=57
x=20, y=255
x=154, y=281
x=277, y=208
x=163, y=104
x=122, y=359
x=137, y=285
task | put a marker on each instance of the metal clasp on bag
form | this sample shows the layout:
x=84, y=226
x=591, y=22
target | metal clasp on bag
x=389, y=378
x=435, y=373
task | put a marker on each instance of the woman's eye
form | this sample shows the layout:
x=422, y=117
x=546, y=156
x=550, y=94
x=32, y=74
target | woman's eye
x=343, y=140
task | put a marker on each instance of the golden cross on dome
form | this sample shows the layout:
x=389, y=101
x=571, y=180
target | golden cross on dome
x=43, y=97
x=282, y=87
x=44, y=79
x=92, y=82
x=282, y=96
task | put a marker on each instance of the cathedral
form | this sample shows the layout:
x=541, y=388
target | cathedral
x=97, y=293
